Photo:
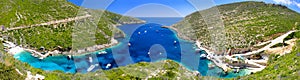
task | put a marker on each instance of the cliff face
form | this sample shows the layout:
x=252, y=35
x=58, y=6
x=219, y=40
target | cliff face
x=57, y=24
x=238, y=25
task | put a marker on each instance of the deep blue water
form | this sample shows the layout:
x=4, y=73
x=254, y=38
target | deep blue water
x=148, y=43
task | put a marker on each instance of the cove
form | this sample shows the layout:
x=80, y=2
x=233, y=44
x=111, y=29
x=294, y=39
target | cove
x=148, y=42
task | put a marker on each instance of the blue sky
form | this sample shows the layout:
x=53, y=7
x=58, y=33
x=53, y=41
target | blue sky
x=166, y=8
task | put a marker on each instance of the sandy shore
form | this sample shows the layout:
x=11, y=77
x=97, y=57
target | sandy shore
x=11, y=48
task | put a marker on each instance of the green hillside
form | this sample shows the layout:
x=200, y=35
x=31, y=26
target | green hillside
x=34, y=11
x=89, y=31
x=245, y=23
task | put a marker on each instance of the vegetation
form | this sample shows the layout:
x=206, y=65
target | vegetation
x=27, y=12
x=253, y=21
x=78, y=34
x=9, y=73
x=281, y=67
x=242, y=24
x=164, y=70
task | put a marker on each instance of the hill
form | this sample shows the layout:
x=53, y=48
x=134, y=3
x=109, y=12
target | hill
x=57, y=24
x=238, y=25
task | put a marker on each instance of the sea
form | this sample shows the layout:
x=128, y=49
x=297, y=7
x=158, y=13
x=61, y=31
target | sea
x=147, y=42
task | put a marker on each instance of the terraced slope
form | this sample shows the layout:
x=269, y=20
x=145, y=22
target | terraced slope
x=242, y=24
x=57, y=24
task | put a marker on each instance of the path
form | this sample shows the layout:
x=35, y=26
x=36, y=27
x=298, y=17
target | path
x=217, y=59
x=51, y=22
x=279, y=39
x=282, y=50
x=261, y=67
x=262, y=43
x=15, y=49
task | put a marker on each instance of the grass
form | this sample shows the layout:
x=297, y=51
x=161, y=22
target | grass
x=244, y=23
x=280, y=67
x=34, y=11
x=74, y=35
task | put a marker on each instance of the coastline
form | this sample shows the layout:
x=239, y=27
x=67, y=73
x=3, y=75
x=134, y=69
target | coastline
x=216, y=61
x=179, y=34
x=229, y=67
x=14, y=49
x=210, y=54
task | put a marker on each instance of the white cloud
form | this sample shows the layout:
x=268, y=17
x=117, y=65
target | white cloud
x=297, y=4
x=288, y=2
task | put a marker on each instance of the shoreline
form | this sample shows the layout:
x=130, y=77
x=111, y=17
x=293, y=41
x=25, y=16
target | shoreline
x=210, y=54
x=179, y=34
x=216, y=59
x=14, y=49
x=219, y=60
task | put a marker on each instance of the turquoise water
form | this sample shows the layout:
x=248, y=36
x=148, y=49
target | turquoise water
x=50, y=63
x=148, y=43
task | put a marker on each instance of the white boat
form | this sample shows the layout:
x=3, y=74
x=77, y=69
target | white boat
x=102, y=52
x=108, y=65
x=91, y=59
x=129, y=44
x=203, y=55
x=69, y=56
x=91, y=68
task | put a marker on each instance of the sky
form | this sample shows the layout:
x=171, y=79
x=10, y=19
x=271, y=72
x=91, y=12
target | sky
x=166, y=8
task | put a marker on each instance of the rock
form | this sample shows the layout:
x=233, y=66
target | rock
x=278, y=77
x=298, y=54
x=276, y=67
x=42, y=48
x=1, y=58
